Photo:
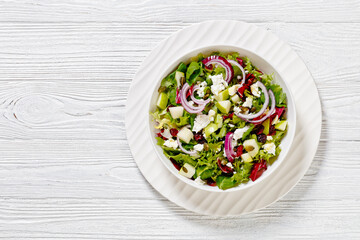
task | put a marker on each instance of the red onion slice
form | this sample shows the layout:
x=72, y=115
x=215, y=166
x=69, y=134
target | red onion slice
x=229, y=152
x=271, y=111
x=183, y=149
x=224, y=168
x=241, y=68
x=221, y=61
x=233, y=153
x=262, y=110
x=198, y=101
x=186, y=104
x=184, y=97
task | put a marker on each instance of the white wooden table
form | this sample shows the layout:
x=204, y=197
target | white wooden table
x=66, y=171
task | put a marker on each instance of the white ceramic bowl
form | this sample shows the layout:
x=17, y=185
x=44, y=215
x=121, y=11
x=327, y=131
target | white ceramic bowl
x=262, y=65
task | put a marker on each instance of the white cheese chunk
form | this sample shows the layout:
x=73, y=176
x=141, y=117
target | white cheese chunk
x=201, y=121
x=199, y=147
x=199, y=181
x=229, y=165
x=201, y=90
x=218, y=85
x=166, y=133
x=240, y=132
x=171, y=143
x=255, y=90
x=248, y=102
x=270, y=148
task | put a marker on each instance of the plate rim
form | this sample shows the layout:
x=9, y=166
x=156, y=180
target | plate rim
x=179, y=200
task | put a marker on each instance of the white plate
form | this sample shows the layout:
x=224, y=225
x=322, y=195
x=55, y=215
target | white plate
x=288, y=65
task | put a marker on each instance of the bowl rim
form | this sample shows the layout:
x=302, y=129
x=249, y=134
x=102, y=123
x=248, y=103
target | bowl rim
x=169, y=68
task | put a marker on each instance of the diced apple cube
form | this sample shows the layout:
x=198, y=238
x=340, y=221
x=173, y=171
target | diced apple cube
x=187, y=170
x=246, y=157
x=178, y=76
x=281, y=125
x=176, y=112
x=235, y=98
x=185, y=134
x=251, y=147
x=224, y=106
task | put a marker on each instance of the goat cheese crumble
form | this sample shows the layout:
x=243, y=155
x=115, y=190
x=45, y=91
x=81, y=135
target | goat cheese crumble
x=201, y=121
x=219, y=84
x=270, y=148
x=171, y=143
x=255, y=90
x=240, y=132
x=201, y=90
x=248, y=102
x=199, y=147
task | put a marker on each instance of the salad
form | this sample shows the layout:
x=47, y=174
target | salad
x=220, y=120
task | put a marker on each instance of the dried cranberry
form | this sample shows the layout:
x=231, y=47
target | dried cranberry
x=198, y=136
x=241, y=62
x=210, y=182
x=242, y=89
x=161, y=136
x=279, y=111
x=174, y=132
x=209, y=67
x=224, y=168
x=190, y=91
x=176, y=165
x=258, y=129
x=258, y=170
x=260, y=72
x=261, y=138
x=272, y=130
x=239, y=150
x=228, y=116
x=178, y=100
x=250, y=76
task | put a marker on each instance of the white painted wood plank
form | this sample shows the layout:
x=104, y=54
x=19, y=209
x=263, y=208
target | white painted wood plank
x=66, y=171
x=94, y=51
x=184, y=11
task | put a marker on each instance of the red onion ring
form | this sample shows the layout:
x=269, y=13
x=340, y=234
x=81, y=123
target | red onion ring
x=184, y=93
x=229, y=151
x=262, y=110
x=241, y=68
x=271, y=111
x=198, y=101
x=183, y=149
x=186, y=104
x=233, y=153
x=221, y=61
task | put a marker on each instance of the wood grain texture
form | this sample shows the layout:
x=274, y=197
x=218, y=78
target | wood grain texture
x=66, y=171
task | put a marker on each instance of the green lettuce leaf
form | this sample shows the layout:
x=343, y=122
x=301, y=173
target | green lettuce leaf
x=182, y=67
x=193, y=71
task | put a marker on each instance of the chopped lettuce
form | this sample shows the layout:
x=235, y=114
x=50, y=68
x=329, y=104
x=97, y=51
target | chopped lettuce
x=193, y=71
x=206, y=160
